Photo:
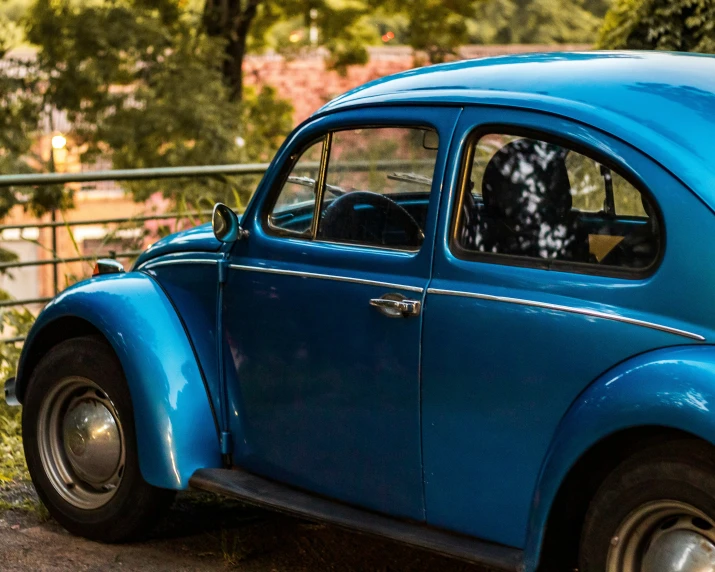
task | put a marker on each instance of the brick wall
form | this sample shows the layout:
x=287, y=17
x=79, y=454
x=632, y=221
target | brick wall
x=308, y=84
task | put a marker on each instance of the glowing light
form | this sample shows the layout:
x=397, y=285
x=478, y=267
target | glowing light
x=388, y=36
x=295, y=36
x=59, y=142
x=240, y=142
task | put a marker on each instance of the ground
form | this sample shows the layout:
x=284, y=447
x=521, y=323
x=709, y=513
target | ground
x=202, y=532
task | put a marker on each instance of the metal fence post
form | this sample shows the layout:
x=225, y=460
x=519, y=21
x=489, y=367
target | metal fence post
x=55, y=280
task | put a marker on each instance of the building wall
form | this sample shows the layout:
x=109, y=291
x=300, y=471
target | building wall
x=308, y=83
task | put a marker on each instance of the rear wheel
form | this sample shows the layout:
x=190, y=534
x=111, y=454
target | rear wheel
x=80, y=445
x=654, y=513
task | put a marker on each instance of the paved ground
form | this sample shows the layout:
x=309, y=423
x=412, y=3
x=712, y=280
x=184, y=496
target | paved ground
x=203, y=532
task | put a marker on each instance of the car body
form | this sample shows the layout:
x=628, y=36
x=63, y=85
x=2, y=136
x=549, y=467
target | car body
x=476, y=380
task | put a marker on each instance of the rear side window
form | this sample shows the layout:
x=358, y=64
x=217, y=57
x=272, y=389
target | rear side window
x=546, y=204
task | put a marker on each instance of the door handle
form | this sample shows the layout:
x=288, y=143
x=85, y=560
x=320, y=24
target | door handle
x=397, y=306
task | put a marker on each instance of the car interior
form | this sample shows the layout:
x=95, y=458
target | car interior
x=526, y=208
x=522, y=203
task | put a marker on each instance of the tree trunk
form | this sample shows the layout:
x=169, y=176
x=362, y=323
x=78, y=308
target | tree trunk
x=231, y=21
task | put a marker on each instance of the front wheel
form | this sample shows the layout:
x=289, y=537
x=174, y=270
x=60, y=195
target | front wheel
x=80, y=445
x=654, y=513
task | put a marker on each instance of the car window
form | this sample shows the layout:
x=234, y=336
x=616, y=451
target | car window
x=295, y=206
x=537, y=200
x=377, y=186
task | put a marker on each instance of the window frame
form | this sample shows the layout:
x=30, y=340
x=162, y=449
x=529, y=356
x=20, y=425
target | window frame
x=275, y=192
x=287, y=168
x=466, y=164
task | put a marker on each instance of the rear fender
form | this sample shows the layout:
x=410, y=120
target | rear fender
x=672, y=388
x=175, y=426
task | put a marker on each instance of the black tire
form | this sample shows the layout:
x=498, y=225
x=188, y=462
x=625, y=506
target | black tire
x=679, y=471
x=135, y=505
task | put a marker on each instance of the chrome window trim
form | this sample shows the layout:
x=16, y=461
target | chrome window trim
x=151, y=263
x=301, y=274
x=570, y=309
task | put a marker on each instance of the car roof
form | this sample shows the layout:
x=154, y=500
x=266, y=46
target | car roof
x=660, y=102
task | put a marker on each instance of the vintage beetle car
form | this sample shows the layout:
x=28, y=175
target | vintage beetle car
x=469, y=307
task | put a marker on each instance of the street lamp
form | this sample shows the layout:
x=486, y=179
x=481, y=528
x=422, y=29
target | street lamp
x=59, y=145
x=59, y=141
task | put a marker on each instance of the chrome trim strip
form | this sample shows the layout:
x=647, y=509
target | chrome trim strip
x=152, y=264
x=326, y=277
x=559, y=308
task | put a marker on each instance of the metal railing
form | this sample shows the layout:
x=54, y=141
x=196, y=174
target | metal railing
x=134, y=175
x=90, y=177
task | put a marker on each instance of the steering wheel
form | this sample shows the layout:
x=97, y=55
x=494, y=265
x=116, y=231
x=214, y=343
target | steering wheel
x=343, y=221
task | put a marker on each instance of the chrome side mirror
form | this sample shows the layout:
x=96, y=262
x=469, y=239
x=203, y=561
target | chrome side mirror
x=225, y=224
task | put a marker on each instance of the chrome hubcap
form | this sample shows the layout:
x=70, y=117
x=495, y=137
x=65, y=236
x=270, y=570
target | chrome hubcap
x=664, y=536
x=91, y=440
x=81, y=443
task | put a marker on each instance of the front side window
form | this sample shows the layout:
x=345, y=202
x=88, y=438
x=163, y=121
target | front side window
x=368, y=186
x=529, y=198
x=377, y=186
x=294, y=208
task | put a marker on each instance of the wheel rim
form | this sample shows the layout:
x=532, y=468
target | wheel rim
x=81, y=443
x=664, y=536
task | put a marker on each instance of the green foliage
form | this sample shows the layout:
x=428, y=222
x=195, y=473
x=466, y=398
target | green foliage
x=10, y=32
x=536, y=21
x=435, y=27
x=12, y=462
x=141, y=82
x=21, y=105
x=340, y=26
x=678, y=25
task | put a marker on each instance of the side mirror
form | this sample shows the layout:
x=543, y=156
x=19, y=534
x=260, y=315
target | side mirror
x=225, y=224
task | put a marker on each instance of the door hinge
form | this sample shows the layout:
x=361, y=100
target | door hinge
x=226, y=443
x=222, y=270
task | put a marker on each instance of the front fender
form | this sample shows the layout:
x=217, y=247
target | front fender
x=672, y=387
x=175, y=426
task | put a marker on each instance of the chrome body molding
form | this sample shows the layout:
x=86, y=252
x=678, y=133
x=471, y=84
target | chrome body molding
x=153, y=263
x=560, y=308
x=326, y=277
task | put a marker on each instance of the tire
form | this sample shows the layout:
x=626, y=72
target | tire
x=655, y=511
x=80, y=444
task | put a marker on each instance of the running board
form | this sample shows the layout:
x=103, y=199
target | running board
x=261, y=492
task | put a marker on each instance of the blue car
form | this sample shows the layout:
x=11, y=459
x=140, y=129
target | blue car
x=470, y=307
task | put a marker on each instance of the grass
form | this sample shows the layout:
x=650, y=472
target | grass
x=16, y=493
x=12, y=459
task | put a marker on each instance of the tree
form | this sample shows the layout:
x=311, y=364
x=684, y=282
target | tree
x=678, y=25
x=433, y=26
x=155, y=83
x=143, y=84
x=537, y=21
x=21, y=106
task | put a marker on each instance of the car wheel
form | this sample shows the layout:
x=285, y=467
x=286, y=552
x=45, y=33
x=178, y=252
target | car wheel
x=654, y=513
x=80, y=445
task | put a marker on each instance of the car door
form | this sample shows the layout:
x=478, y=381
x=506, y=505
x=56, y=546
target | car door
x=323, y=307
x=549, y=269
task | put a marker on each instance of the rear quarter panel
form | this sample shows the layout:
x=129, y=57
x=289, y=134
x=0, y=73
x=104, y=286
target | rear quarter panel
x=672, y=387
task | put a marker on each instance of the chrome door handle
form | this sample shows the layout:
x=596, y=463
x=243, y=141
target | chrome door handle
x=397, y=306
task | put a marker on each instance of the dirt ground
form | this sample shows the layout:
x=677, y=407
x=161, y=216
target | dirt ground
x=203, y=532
